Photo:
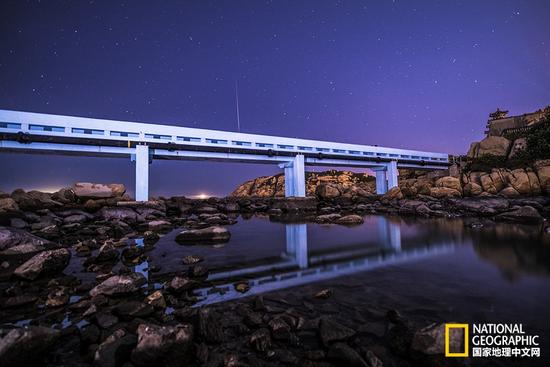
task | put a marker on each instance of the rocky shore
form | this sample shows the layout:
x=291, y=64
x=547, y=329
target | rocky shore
x=117, y=317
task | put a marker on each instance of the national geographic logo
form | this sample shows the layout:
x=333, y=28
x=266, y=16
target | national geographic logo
x=490, y=340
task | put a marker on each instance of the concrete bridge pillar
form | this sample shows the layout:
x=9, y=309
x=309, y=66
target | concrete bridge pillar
x=295, y=177
x=142, y=172
x=386, y=177
x=391, y=174
x=381, y=183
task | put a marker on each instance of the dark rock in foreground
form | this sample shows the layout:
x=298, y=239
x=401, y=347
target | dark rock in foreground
x=46, y=262
x=24, y=346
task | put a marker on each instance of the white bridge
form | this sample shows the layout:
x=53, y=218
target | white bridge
x=28, y=132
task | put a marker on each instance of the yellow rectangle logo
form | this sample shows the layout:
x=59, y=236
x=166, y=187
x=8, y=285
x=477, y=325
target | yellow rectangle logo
x=448, y=353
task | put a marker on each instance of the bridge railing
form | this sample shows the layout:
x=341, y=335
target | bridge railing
x=16, y=122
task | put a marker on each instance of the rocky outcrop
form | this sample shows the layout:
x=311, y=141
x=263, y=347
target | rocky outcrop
x=326, y=185
x=491, y=145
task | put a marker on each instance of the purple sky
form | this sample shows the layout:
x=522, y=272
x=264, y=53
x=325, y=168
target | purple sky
x=420, y=75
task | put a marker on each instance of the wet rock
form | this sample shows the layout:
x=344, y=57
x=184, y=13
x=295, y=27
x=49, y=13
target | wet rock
x=58, y=297
x=345, y=355
x=323, y=294
x=280, y=329
x=26, y=346
x=156, y=299
x=331, y=331
x=105, y=320
x=210, y=327
x=163, y=345
x=260, y=340
x=90, y=335
x=87, y=190
x=525, y=214
x=44, y=263
x=119, y=285
x=150, y=238
x=431, y=340
x=107, y=252
x=115, y=350
x=352, y=219
x=242, y=287
x=179, y=284
x=209, y=234
x=192, y=259
x=19, y=241
x=132, y=309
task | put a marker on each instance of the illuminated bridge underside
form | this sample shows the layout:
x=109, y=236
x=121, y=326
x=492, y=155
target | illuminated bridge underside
x=27, y=132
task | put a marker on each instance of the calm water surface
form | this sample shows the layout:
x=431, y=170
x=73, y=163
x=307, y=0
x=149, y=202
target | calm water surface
x=431, y=270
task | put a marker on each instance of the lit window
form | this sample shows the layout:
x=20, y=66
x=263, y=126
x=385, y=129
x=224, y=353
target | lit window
x=57, y=129
x=10, y=125
x=216, y=141
x=87, y=131
x=124, y=134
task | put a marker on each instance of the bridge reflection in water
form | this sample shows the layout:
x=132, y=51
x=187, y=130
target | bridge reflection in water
x=297, y=266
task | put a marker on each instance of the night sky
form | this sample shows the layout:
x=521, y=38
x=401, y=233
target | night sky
x=410, y=74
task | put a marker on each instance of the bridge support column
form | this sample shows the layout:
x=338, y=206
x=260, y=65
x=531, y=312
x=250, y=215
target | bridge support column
x=295, y=177
x=142, y=172
x=381, y=183
x=391, y=174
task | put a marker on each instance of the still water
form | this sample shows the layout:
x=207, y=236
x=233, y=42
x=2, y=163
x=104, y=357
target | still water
x=431, y=270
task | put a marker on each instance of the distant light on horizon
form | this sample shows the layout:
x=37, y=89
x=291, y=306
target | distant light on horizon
x=202, y=195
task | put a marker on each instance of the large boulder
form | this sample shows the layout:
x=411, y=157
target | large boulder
x=209, y=234
x=521, y=182
x=472, y=189
x=393, y=194
x=44, y=263
x=443, y=192
x=87, y=190
x=17, y=241
x=449, y=182
x=493, y=182
x=494, y=145
x=542, y=168
x=328, y=191
x=163, y=345
x=26, y=346
x=119, y=285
